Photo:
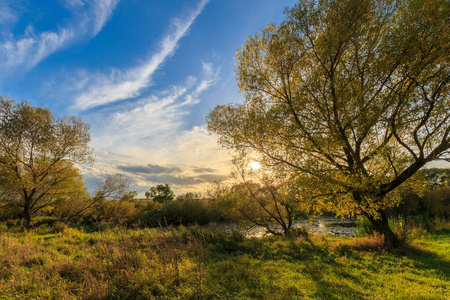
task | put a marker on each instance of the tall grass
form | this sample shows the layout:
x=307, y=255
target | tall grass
x=404, y=226
x=192, y=263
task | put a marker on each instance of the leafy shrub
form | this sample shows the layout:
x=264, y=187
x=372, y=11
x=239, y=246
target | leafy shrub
x=184, y=212
x=114, y=212
x=364, y=226
x=59, y=227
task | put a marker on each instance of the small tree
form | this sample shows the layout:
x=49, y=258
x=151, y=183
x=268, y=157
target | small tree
x=352, y=94
x=265, y=198
x=113, y=187
x=161, y=193
x=37, y=155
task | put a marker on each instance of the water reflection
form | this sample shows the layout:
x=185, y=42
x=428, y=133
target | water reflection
x=323, y=226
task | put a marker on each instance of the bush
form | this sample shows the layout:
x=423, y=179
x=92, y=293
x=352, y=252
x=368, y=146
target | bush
x=114, y=212
x=9, y=212
x=181, y=212
x=59, y=227
x=364, y=226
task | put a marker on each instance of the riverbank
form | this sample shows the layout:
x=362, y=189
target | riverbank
x=200, y=264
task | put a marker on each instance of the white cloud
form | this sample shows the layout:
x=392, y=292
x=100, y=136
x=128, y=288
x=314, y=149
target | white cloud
x=153, y=119
x=102, y=10
x=30, y=50
x=120, y=85
x=202, y=150
x=31, y=47
x=74, y=3
x=8, y=16
x=211, y=77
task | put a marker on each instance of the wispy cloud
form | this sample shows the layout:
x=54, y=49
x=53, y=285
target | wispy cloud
x=8, y=16
x=27, y=50
x=153, y=119
x=211, y=75
x=102, y=10
x=120, y=85
x=73, y=4
x=31, y=49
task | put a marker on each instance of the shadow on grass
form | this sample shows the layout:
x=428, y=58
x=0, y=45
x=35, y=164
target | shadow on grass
x=249, y=267
x=279, y=268
x=424, y=258
x=427, y=259
x=327, y=288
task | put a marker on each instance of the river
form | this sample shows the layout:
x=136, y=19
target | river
x=321, y=226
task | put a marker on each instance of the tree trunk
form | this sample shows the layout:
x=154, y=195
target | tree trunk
x=381, y=226
x=26, y=216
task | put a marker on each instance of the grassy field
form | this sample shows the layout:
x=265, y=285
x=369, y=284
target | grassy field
x=198, y=264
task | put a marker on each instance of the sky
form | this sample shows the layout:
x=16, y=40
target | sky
x=143, y=74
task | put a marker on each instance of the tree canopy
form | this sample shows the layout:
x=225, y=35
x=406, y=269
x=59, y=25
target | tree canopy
x=161, y=193
x=353, y=95
x=38, y=153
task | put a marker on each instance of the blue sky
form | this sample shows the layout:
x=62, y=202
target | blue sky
x=143, y=73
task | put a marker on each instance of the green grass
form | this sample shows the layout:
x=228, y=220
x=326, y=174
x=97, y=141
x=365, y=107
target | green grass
x=198, y=264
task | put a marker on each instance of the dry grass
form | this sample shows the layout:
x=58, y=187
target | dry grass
x=368, y=242
x=94, y=266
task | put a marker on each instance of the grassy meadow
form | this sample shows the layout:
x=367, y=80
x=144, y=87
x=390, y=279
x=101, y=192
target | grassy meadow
x=192, y=263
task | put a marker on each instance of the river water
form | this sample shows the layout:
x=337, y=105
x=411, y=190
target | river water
x=320, y=226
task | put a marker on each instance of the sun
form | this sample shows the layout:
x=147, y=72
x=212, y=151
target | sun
x=254, y=165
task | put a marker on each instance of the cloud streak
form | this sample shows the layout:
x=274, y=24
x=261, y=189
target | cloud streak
x=120, y=85
x=151, y=120
x=31, y=47
x=7, y=14
x=148, y=169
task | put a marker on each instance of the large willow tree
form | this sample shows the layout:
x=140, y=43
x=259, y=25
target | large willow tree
x=352, y=96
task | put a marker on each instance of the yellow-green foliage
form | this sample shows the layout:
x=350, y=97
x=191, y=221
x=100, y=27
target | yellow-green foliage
x=114, y=212
x=112, y=263
x=192, y=263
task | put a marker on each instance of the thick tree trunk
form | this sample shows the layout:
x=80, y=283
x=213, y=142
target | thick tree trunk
x=381, y=226
x=26, y=217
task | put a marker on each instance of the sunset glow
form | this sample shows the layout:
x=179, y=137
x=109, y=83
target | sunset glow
x=255, y=165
